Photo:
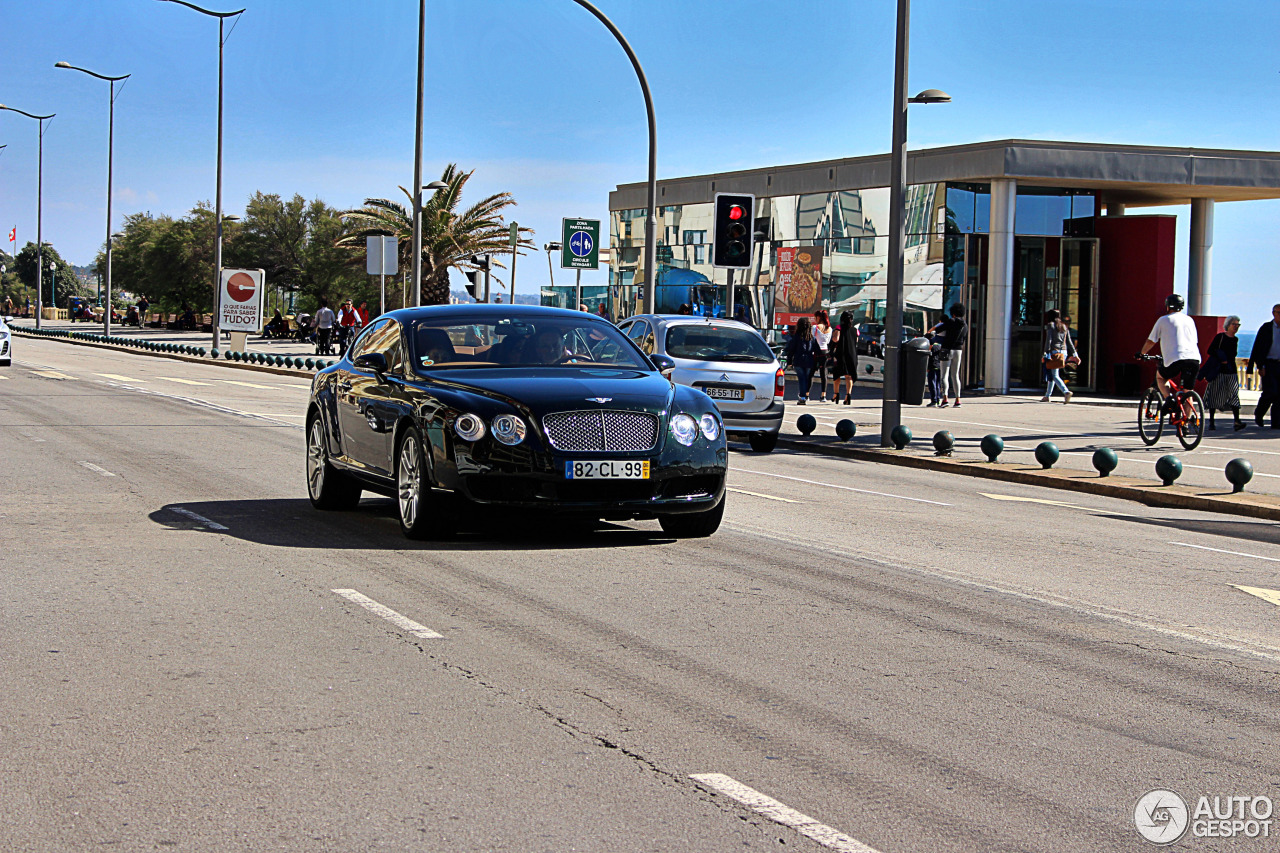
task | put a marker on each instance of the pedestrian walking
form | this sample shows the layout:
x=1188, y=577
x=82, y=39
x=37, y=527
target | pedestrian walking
x=822, y=335
x=1059, y=350
x=1219, y=370
x=802, y=354
x=143, y=305
x=845, y=346
x=8, y=306
x=325, y=321
x=603, y=310
x=363, y=311
x=955, y=334
x=1265, y=355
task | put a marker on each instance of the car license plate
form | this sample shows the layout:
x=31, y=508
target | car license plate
x=724, y=393
x=607, y=470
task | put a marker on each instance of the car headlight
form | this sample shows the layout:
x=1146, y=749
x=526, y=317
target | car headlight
x=684, y=428
x=710, y=427
x=469, y=426
x=509, y=429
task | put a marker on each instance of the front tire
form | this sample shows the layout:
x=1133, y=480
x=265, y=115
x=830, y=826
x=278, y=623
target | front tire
x=420, y=514
x=327, y=487
x=1151, y=417
x=763, y=442
x=694, y=525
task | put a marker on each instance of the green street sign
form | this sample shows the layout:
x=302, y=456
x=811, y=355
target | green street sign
x=580, y=244
x=515, y=234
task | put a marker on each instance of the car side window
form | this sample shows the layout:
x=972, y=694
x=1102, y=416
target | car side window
x=642, y=334
x=363, y=344
x=385, y=338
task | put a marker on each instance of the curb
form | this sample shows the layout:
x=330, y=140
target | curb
x=172, y=356
x=1126, y=488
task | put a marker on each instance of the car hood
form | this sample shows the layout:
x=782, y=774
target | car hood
x=557, y=389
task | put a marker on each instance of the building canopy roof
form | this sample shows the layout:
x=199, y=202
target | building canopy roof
x=1134, y=175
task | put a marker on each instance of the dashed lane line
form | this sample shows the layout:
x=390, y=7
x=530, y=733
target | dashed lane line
x=777, y=812
x=1033, y=501
x=759, y=495
x=117, y=377
x=50, y=374
x=842, y=488
x=96, y=469
x=197, y=518
x=402, y=622
x=1223, y=551
x=182, y=381
x=1270, y=595
x=247, y=384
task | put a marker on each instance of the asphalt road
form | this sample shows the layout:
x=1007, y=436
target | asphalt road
x=915, y=661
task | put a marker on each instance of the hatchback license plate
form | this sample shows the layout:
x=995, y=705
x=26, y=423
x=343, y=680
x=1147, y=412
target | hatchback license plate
x=607, y=470
x=725, y=393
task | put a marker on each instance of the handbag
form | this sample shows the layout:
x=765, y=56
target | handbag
x=1055, y=361
x=1073, y=360
x=1209, y=370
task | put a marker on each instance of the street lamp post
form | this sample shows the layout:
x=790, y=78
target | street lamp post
x=53, y=284
x=891, y=407
x=434, y=186
x=650, y=222
x=111, y=132
x=552, y=247
x=417, y=158
x=217, y=205
x=39, y=205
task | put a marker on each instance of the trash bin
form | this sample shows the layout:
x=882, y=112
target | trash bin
x=913, y=370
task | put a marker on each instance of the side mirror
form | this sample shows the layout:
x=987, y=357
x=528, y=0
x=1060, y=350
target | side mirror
x=375, y=361
x=664, y=364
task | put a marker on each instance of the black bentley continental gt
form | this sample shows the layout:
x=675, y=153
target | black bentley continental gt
x=512, y=407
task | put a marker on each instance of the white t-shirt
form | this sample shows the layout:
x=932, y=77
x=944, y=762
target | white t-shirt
x=324, y=318
x=823, y=338
x=1176, y=335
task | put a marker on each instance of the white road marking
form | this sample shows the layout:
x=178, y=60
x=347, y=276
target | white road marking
x=1077, y=606
x=199, y=519
x=183, y=381
x=420, y=631
x=50, y=374
x=758, y=495
x=5, y=378
x=247, y=384
x=95, y=469
x=779, y=813
x=119, y=378
x=1032, y=501
x=1270, y=595
x=1232, y=553
x=275, y=415
x=845, y=488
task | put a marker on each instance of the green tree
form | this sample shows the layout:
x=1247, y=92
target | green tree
x=449, y=237
x=62, y=278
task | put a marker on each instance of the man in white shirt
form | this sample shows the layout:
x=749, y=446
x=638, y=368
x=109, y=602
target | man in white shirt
x=324, y=328
x=1175, y=332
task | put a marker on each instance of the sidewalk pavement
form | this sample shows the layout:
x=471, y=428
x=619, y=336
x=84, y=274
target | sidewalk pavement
x=256, y=343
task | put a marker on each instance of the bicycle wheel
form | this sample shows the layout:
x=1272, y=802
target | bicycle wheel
x=1151, y=417
x=1191, y=429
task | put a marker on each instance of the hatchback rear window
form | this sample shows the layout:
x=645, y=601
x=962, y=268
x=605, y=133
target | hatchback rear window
x=716, y=343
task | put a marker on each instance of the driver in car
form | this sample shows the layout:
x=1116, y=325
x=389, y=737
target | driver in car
x=548, y=348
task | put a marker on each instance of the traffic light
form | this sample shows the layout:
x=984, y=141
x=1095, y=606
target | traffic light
x=733, y=238
x=473, y=279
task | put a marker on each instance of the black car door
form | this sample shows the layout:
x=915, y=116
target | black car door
x=363, y=439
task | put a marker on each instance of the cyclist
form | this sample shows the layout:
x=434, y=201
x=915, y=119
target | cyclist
x=1179, y=348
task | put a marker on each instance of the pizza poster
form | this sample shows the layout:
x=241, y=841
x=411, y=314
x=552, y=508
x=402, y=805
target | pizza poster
x=797, y=288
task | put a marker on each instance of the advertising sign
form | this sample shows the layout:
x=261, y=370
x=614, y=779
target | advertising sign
x=580, y=244
x=798, y=290
x=240, y=300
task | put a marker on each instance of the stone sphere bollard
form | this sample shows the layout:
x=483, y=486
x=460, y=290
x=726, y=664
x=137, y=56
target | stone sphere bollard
x=900, y=436
x=1168, y=469
x=1047, y=454
x=992, y=446
x=943, y=442
x=806, y=424
x=1239, y=472
x=310, y=363
x=846, y=429
x=1105, y=460
x=216, y=353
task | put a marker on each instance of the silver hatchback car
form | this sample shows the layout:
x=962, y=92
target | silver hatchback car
x=728, y=361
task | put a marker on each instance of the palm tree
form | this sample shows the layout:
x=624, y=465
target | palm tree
x=449, y=238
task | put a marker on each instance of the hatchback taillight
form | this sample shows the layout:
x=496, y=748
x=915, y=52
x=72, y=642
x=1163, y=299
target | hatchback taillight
x=780, y=384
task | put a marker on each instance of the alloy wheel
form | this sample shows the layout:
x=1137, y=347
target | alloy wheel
x=409, y=481
x=315, y=459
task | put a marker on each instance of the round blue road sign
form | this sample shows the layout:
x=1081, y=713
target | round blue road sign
x=580, y=244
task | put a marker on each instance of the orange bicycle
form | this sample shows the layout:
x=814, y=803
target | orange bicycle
x=1183, y=407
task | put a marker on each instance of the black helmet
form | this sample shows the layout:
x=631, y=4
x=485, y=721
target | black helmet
x=1174, y=302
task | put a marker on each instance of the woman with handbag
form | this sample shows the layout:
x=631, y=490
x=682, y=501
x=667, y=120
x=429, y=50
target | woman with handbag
x=802, y=354
x=1059, y=351
x=1219, y=369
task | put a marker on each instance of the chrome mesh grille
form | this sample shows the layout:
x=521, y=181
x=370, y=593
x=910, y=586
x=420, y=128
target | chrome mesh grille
x=607, y=431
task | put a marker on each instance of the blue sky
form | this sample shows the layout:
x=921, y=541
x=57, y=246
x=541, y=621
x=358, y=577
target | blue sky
x=538, y=99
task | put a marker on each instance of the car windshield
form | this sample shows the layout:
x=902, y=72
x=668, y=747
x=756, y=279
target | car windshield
x=714, y=342
x=517, y=342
